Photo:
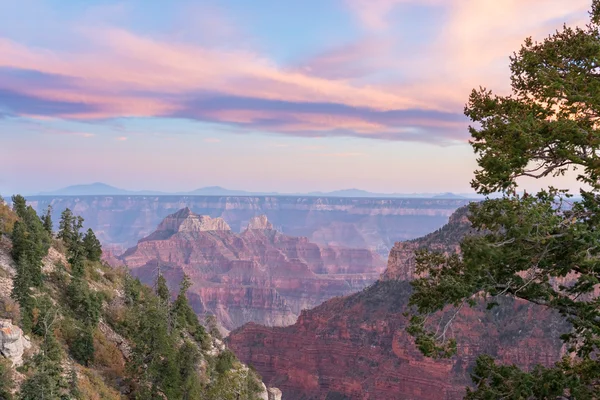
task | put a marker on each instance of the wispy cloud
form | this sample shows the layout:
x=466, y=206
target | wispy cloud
x=212, y=140
x=375, y=14
x=367, y=88
x=121, y=138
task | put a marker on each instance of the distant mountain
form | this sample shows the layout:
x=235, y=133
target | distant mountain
x=217, y=191
x=448, y=196
x=220, y=191
x=102, y=189
x=349, y=193
x=97, y=188
x=364, y=193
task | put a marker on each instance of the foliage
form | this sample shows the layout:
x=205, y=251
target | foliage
x=69, y=230
x=133, y=289
x=30, y=244
x=47, y=380
x=496, y=381
x=47, y=220
x=540, y=248
x=92, y=246
x=213, y=329
x=108, y=358
x=85, y=304
x=6, y=379
x=7, y=218
x=185, y=317
x=92, y=386
x=82, y=348
x=234, y=384
x=63, y=309
x=224, y=361
x=162, y=290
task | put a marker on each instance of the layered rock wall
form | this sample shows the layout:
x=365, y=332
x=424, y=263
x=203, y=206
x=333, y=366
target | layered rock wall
x=258, y=275
x=350, y=222
x=356, y=347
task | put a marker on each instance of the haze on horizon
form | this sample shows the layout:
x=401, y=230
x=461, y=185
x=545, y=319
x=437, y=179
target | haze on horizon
x=258, y=96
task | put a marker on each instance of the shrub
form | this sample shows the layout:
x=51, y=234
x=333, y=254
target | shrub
x=108, y=357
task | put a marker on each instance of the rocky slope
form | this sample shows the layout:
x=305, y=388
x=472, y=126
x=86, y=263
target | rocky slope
x=356, y=347
x=351, y=222
x=123, y=334
x=259, y=275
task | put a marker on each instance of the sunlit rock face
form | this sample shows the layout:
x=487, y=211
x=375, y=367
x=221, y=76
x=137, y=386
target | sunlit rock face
x=258, y=275
x=185, y=220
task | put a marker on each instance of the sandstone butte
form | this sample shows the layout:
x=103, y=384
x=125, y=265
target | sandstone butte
x=356, y=347
x=258, y=275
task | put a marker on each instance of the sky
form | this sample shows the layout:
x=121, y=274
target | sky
x=261, y=95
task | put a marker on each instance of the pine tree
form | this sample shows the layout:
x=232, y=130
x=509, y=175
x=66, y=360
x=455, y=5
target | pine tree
x=184, y=316
x=19, y=205
x=69, y=229
x=528, y=244
x=162, y=290
x=30, y=244
x=82, y=348
x=92, y=246
x=47, y=220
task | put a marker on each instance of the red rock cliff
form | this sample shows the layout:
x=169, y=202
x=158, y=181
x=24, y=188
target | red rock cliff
x=356, y=347
x=258, y=275
x=401, y=261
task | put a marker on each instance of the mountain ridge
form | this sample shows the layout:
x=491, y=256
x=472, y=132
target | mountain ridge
x=103, y=189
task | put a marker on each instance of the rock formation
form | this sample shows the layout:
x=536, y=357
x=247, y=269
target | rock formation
x=370, y=223
x=258, y=275
x=270, y=393
x=274, y=393
x=12, y=342
x=260, y=222
x=401, y=261
x=356, y=347
x=185, y=220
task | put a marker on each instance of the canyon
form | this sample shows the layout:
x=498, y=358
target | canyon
x=371, y=223
x=356, y=347
x=259, y=275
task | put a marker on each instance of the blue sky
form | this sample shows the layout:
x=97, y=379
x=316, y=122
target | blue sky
x=263, y=95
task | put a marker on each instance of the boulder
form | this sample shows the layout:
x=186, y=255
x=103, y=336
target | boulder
x=12, y=342
x=274, y=394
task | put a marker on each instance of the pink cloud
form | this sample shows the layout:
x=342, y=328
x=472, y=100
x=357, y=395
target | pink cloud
x=374, y=14
x=474, y=46
x=127, y=75
x=352, y=60
x=131, y=62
